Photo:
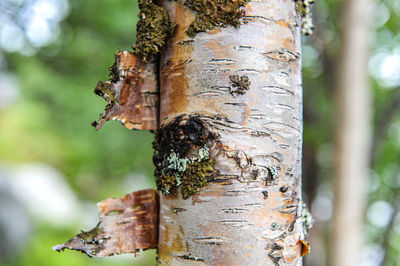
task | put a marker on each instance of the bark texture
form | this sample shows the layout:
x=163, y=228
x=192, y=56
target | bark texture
x=353, y=134
x=126, y=225
x=131, y=93
x=244, y=84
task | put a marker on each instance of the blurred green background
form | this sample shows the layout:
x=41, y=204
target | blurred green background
x=52, y=54
x=54, y=166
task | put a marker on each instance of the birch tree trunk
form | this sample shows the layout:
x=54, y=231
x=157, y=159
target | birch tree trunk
x=234, y=94
x=353, y=134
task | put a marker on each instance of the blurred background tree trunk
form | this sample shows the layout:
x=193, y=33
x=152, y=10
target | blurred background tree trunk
x=353, y=116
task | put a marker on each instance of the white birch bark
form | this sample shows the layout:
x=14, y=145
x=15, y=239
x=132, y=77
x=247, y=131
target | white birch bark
x=250, y=214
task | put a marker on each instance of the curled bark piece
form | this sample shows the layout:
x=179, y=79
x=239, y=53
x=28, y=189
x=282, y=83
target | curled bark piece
x=132, y=93
x=126, y=225
x=305, y=247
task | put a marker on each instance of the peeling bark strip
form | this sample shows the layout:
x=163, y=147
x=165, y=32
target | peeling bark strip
x=126, y=225
x=250, y=211
x=132, y=93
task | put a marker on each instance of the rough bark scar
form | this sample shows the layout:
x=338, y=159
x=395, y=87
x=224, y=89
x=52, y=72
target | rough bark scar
x=132, y=93
x=276, y=253
x=239, y=84
x=182, y=156
x=126, y=225
x=283, y=55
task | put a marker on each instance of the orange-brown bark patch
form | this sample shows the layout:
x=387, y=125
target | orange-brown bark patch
x=305, y=247
x=132, y=93
x=126, y=225
x=174, y=79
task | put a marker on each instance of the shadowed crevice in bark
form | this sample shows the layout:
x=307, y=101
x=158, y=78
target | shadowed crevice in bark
x=182, y=156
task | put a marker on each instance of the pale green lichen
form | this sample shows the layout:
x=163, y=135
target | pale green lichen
x=187, y=174
x=178, y=180
x=177, y=163
x=203, y=153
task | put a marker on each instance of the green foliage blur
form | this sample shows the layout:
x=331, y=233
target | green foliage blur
x=321, y=52
x=50, y=122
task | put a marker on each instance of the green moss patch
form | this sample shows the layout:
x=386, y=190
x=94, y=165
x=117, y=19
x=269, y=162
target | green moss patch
x=90, y=236
x=195, y=177
x=152, y=30
x=214, y=13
